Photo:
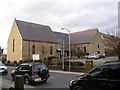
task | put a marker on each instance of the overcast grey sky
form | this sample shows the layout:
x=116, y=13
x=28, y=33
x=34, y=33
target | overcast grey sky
x=75, y=15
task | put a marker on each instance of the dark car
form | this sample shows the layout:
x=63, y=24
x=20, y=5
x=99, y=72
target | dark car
x=32, y=72
x=103, y=77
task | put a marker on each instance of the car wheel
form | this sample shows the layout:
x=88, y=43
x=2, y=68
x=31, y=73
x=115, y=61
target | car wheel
x=6, y=72
x=26, y=81
x=78, y=87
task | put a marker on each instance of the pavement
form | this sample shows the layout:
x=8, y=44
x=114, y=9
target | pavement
x=58, y=71
x=66, y=72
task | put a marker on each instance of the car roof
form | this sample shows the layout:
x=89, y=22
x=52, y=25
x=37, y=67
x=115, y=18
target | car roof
x=31, y=63
x=111, y=63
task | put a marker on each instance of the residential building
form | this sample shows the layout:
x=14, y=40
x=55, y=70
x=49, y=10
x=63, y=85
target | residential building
x=88, y=41
x=110, y=44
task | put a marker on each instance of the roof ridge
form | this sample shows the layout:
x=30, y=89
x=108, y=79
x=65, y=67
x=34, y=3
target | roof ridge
x=59, y=32
x=27, y=29
x=85, y=30
x=31, y=22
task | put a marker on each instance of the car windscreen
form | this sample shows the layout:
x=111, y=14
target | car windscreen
x=37, y=67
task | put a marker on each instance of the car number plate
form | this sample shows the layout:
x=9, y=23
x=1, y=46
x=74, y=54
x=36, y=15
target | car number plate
x=38, y=79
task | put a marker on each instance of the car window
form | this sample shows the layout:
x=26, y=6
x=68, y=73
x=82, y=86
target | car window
x=114, y=72
x=39, y=66
x=99, y=72
x=26, y=67
x=20, y=67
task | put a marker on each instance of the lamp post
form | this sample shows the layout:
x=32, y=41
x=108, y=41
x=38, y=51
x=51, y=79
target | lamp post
x=69, y=48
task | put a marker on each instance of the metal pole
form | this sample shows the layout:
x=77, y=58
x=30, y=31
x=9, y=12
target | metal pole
x=63, y=62
x=69, y=49
x=69, y=53
x=63, y=55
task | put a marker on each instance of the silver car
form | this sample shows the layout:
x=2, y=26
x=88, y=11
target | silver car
x=3, y=69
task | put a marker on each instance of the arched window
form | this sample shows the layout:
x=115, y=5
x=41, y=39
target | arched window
x=51, y=50
x=98, y=46
x=78, y=49
x=33, y=49
x=84, y=49
x=13, y=45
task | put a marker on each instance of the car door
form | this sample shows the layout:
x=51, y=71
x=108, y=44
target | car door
x=97, y=79
x=114, y=77
x=18, y=70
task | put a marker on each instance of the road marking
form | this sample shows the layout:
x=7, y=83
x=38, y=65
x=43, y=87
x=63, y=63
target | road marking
x=51, y=77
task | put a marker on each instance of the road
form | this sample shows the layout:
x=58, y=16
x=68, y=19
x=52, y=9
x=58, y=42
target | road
x=56, y=80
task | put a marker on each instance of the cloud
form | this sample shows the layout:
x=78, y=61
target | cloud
x=72, y=14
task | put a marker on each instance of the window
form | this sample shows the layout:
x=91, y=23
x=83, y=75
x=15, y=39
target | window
x=78, y=49
x=43, y=51
x=33, y=49
x=114, y=72
x=19, y=68
x=99, y=72
x=13, y=45
x=27, y=67
x=51, y=50
x=84, y=49
x=98, y=46
x=37, y=67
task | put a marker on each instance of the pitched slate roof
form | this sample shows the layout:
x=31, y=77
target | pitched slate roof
x=83, y=36
x=63, y=37
x=35, y=32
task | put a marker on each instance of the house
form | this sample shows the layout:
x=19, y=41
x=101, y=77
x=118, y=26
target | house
x=27, y=39
x=87, y=41
x=110, y=44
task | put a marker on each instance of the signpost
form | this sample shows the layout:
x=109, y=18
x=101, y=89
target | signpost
x=62, y=52
x=36, y=57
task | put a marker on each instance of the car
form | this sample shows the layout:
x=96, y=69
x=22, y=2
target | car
x=93, y=56
x=3, y=69
x=101, y=55
x=102, y=77
x=32, y=72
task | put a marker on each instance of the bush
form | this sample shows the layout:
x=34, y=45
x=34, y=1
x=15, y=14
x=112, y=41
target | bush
x=77, y=64
x=78, y=69
x=15, y=62
x=20, y=62
x=51, y=67
x=8, y=61
x=51, y=57
x=66, y=63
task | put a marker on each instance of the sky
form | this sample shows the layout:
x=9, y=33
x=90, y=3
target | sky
x=74, y=15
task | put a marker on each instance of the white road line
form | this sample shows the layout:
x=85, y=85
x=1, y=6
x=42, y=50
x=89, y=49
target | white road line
x=51, y=77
